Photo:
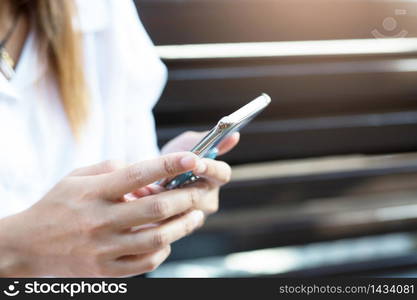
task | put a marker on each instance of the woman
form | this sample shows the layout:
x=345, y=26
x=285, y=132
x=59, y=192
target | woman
x=78, y=81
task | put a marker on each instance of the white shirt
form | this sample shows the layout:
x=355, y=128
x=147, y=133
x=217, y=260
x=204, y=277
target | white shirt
x=125, y=79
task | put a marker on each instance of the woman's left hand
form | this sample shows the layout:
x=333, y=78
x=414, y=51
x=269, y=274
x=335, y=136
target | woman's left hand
x=213, y=173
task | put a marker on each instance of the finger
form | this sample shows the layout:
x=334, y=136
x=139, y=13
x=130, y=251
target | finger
x=229, y=143
x=209, y=202
x=100, y=168
x=218, y=172
x=126, y=180
x=154, y=208
x=184, y=142
x=160, y=236
x=148, y=190
x=138, y=264
x=139, y=193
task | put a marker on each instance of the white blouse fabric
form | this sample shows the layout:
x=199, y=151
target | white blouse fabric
x=125, y=79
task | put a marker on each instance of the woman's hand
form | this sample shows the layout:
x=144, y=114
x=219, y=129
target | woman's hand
x=215, y=173
x=82, y=227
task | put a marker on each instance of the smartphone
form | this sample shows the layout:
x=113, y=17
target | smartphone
x=207, y=147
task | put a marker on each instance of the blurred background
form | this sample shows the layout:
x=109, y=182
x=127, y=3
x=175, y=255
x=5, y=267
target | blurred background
x=325, y=180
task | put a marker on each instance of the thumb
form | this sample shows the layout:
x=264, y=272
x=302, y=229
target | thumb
x=133, y=177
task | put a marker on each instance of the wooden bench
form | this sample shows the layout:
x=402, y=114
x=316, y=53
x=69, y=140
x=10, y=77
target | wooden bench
x=335, y=149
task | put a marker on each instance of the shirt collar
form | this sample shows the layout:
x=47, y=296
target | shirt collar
x=30, y=68
x=7, y=91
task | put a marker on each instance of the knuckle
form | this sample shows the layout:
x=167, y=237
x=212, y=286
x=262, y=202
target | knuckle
x=102, y=224
x=160, y=209
x=84, y=224
x=210, y=169
x=160, y=239
x=189, y=227
x=134, y=174
x=89, y=192
x=168, y=166
x=223, y=171
x=227, y=174
x=100, y=252
x=112, y=165
x=92, y=230
x=152, y=264
x=194, y=197
x=214, y=207
x=155, y=260
x=94, y=225
x=99, y=268
x=168, y=250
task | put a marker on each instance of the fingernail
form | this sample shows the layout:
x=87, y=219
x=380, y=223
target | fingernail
x=188, y=162
x=201, y=167
x=130, y=197
x=197, y=216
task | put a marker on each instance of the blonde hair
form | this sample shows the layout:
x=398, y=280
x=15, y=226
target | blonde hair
x=54, y=25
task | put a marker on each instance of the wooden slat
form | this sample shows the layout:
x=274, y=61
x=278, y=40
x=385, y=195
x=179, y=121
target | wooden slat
x=219, y=21
x=394, y=253
x=264, y=226
x=201, y=94
x=368, y=134
x=365, y=195
x=316, y=166
x=310, y=49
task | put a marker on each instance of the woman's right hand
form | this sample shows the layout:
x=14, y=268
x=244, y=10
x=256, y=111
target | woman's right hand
x=83, y=228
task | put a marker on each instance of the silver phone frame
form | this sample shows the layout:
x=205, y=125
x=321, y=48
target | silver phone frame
x=224, y=127
x=231, y=123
